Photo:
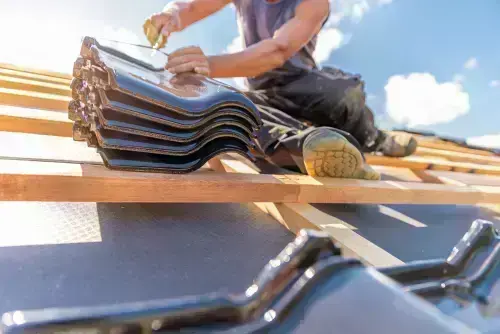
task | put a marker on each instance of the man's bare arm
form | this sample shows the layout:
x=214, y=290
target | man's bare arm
x=176, y=16
x=193, y=11
x=274, y=52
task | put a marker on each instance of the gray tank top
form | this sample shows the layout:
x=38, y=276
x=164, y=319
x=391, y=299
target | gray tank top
x=258, y=20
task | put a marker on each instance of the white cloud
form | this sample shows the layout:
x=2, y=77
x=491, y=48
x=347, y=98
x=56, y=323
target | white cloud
x=329, y=40
x=359, y=10
x=418, y=99
x=459, y=78
x=494, y=83
x=491, y=141
x=236, y=45
x=354, y=9
x=334, y=19
x=471, y=64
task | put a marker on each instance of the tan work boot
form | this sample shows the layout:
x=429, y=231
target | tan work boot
x=399, y=145
x=329, y=154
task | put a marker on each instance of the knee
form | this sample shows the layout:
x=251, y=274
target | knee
x=354, y=99
x=345, y=103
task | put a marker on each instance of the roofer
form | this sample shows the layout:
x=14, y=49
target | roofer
x=316, y=120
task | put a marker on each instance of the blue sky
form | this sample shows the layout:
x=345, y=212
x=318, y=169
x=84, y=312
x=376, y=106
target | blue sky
x=430, y=64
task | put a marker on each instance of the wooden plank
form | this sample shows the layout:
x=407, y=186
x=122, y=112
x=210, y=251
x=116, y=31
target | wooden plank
x=435, y=176
x=297, y=216
x=458, y=156
x=452, y=147
x=353, y=244
x=38, y=71
x=46, y=148
x=34, y=86
x=418, y=163
x=35, y=121
x=48, y=181
x=465, y=178
x=34, y=76
x=436, y=143
x=44, y=181
x=396, y=173
x=248, y=188
x=27, y=99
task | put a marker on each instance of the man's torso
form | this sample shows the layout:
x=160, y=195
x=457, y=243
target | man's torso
x=259, y=20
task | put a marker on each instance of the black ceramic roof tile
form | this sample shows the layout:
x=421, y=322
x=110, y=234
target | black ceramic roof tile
x=189, y=94
x=127, y=142
x=145, y=119
x=112, y=120
x=120, y=122
x=309, y=287
x=137, y=161
x=123, y=103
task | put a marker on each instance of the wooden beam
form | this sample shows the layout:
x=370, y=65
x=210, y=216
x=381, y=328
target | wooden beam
x=247, y=188
x=34, y=86
x=397, y=174
x=35, y=121
x=418, y=163
x=47, y=181
x=27, y=99
x=452, y=147
x=34, y=76
x=458, y=156
x=436, y=176
x=465, y=178
x=46, y=148
x=436, y=143
x=297, y=216
x=37, y=71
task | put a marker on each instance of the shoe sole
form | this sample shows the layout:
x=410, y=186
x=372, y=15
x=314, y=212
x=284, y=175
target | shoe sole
x=408, y=146
x=329, y=154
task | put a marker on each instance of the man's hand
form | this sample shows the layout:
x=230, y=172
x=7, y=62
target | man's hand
x=188, y=59
x=159, y=26
x=176, y=16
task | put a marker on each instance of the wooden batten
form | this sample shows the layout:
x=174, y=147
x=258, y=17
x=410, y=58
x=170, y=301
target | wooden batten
x=50, y=181
x=458, y=156
x=419, y=163
x=30, y=99
x=297, y=216
x=35, y=86
x=36, y=74
x=35, y=121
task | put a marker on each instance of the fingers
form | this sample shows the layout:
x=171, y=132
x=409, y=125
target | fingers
x=188, y=59
x=157, y=29
x=185, y=51
x=151, y=31
x=162, y=41
x=179, y=60
x=200, y=67
x=203, y=70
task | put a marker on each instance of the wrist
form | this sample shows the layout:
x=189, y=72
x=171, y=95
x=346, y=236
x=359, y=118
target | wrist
x=173, y=11
x=212, y=66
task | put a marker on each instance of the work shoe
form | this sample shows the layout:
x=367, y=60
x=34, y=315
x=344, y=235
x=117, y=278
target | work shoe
x=399, y=145
x=329, y=154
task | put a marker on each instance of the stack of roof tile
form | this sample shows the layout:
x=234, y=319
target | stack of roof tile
x=143, y=118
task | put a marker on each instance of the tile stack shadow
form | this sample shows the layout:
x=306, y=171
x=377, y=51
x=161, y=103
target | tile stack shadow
x=143, y=118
